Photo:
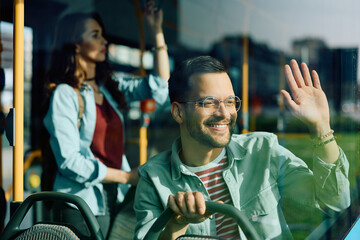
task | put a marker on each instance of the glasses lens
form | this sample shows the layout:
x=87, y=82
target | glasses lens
x=211, y=104
x=231, y=104
x=237, y=103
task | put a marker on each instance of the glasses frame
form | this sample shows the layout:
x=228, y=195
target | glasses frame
x=200, y=102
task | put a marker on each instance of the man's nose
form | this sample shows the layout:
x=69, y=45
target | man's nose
x=222, y=110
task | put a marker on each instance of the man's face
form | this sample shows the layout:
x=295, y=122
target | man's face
x=210, y=127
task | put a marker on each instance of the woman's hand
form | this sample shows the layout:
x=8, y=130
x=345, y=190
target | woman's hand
x=120, y=176
x=133, y=177
x=153, y=16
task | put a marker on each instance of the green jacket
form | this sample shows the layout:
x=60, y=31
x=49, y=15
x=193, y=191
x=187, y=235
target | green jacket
x=260, y=173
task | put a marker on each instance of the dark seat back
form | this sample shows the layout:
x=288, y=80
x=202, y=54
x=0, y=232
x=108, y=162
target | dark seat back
x=47, y=231
x=13, y=231
x=2, y=208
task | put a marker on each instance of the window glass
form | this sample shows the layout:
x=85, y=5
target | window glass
x=254, y=39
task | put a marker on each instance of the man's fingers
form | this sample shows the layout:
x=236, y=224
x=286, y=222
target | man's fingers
x=316, y=79
x=290, y=79
x=306, y=74
x=190, y=202
x=187, y=203
x=173, y=205
x=286, y=95
x=297, y=73
x=200, y=202
x=189, y=206
x=180, y=201
x=288, y=100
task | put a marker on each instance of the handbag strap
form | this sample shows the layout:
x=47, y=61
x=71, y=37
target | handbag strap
x=81, y=106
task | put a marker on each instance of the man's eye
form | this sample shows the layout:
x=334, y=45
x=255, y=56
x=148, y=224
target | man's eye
x=230, y=102
x=208, y=103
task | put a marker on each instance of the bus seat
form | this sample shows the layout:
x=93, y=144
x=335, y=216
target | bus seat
x=2, y=208
x=51, y=229
x=47, y=231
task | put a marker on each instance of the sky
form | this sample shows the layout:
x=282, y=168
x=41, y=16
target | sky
x=275, y=22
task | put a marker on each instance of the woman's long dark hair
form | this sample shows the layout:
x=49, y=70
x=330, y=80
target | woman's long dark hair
x=64, y=62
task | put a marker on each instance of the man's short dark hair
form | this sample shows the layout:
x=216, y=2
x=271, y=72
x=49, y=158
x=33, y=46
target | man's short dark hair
x=179, y=82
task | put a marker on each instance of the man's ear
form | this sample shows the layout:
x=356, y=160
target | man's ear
x=176, y=111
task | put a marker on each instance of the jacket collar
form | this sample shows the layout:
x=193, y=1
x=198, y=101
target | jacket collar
x=175, y=159
x=234, y=149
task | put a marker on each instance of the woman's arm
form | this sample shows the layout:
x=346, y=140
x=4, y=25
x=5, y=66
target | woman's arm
x=61, y=122
x=121, y=176
x=154, y=18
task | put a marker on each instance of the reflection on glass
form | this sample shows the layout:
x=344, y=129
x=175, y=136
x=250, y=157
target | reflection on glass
x=263, y=34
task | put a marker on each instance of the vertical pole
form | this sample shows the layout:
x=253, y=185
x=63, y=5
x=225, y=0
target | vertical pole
x=143, y=145
x=281, y=118
x=143, y=130
x=139, y=16
x=1, y=160
x=245, y=86
x=18, y=174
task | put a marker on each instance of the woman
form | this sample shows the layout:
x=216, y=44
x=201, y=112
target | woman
x=91, y=158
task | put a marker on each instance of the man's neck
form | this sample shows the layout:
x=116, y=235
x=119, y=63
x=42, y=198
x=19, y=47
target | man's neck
x=195, y=155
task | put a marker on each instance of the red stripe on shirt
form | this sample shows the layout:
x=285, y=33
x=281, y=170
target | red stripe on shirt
x=215, y=185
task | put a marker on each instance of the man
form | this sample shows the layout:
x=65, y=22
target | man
x=250, y=171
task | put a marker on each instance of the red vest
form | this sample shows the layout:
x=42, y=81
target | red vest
x=108, y=140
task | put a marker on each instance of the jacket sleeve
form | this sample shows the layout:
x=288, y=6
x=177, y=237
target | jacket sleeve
x=327, y=184
x=151, y=86
x=61, y=123
x=147, y=205
x=331, y=181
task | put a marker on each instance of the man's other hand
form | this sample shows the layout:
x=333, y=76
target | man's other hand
x=189, y=207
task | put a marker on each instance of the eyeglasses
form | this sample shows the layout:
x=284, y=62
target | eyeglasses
x=212, y=104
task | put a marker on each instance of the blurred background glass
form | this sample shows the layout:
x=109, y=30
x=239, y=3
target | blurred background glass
x=256, y=34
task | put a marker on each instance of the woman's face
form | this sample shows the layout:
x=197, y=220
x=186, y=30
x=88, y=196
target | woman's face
x=92, y=49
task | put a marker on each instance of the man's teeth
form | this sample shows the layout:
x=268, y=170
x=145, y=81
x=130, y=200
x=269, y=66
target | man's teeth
x=219, y=126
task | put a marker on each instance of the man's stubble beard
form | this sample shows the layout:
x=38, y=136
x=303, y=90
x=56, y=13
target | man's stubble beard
x=198, y=133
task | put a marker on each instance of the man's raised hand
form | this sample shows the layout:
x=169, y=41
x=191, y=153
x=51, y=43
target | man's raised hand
x=308, y=101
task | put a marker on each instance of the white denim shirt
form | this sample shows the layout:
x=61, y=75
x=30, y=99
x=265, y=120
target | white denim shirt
x=259, y=174
x=80, y=173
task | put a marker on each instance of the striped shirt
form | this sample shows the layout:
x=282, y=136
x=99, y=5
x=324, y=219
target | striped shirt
x=212, y=178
